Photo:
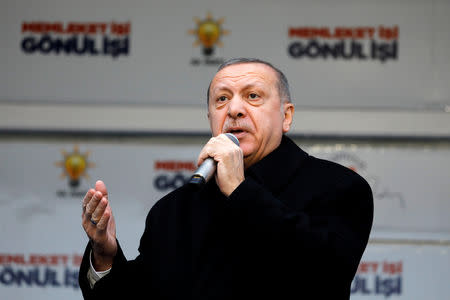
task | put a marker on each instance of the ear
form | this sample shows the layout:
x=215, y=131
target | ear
x=288, y=110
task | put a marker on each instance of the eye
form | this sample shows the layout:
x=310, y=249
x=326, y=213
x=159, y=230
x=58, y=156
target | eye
x=253, y=96
x=222, y=98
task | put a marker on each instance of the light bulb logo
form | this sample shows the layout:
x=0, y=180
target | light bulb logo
x=74, y=166
x=208, y=33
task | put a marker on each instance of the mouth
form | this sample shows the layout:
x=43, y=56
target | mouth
x=237, y=132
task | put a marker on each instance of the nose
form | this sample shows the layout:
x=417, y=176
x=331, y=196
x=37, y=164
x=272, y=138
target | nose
x=236, y=108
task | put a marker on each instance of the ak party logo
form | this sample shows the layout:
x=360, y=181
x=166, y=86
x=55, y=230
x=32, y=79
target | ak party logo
x=74, y=166
x=208, y=33
x=380, y=191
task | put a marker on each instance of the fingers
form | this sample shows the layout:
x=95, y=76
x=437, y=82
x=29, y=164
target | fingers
x=92, y=204
x=89, y=205
x=98, y=221
x=103, y=222
x=101, y=187
x=204, y=154
x=99, y=210
x=215, y=146
x=96, y=215
x=230, y=163
x=87, y=198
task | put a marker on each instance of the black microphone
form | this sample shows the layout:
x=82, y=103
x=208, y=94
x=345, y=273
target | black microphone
x=208, y=166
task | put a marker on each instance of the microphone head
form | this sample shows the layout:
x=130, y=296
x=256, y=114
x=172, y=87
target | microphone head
x=233, y=138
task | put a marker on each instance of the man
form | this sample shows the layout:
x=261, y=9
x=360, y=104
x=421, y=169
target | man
x=274, y=222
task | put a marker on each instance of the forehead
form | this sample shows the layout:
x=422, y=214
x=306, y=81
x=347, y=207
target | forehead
x=244, y=73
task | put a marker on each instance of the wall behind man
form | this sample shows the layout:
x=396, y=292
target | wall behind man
x=44, y=177
x=355, y=67
x=120, y=89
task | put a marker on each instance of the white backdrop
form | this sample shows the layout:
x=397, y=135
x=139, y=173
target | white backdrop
x=156, y=61
x=43, y=239
x=413, y=272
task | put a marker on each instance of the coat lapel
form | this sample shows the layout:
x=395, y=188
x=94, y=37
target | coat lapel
x=275, y=170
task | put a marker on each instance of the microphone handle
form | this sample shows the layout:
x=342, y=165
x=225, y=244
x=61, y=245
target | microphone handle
x=204, y=172
x=208, y=167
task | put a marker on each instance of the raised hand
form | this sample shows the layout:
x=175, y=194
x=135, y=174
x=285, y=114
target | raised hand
x=99, y=225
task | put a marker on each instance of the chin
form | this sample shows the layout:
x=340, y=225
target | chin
x=247, y=150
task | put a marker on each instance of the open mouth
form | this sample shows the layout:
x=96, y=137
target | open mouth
x=236, y=131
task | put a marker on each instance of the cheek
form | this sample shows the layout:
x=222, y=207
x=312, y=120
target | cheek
x=270, y=123
x=216, y=123
x=271, y=128
x=248, y=147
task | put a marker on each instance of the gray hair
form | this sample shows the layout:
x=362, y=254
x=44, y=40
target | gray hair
x=283, y=85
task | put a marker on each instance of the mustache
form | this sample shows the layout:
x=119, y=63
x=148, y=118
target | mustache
x=233, y=124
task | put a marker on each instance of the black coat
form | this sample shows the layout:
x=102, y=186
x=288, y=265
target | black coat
x=296, y=228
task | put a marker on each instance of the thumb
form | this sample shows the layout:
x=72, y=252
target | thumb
x=101, y=187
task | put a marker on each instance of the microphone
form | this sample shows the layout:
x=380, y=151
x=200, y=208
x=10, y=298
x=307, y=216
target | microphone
x=208, y=166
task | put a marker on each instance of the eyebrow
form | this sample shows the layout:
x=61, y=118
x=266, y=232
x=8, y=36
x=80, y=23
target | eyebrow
x=246, y=87
x=220, y=88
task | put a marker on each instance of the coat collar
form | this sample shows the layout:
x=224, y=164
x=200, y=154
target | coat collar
x=275, y=169
x=273, y=172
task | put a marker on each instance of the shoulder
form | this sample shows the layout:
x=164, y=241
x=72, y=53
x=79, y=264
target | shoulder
x=330, y=174
x=333, y=188
x=321, y=175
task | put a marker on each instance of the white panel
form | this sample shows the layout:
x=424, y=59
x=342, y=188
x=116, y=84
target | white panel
x=184, y=119
x=158, y=68
x=412, y=272
x=40, y=210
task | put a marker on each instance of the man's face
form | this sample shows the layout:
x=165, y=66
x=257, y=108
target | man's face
x=245, y=101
